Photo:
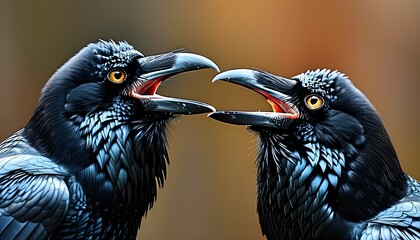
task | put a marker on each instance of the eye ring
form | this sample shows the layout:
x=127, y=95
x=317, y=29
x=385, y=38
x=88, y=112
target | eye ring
x=314, y=102
x=117, y=76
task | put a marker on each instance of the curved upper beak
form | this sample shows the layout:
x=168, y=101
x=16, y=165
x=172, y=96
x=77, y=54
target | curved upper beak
x=157, y=68
x=277, y=90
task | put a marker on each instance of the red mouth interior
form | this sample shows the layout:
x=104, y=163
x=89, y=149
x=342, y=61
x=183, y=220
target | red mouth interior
x=278, y=105
x=146, y=89
x=149, y=87
x=275, y=106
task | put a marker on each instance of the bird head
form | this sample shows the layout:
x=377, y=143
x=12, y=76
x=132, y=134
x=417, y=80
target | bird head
x=322, y=117
x=101, y=76
x=322, y=104
x=103, y=71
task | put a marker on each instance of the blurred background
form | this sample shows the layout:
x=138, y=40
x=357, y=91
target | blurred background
x=210, y=189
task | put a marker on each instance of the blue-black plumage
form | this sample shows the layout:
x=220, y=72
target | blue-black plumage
x=90, y=160
x=326, y=167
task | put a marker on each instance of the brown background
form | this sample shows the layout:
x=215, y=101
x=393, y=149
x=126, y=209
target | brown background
x=210, y=190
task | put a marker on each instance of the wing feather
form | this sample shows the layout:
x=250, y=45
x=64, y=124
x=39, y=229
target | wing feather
x=401, y=221
x=34, y=196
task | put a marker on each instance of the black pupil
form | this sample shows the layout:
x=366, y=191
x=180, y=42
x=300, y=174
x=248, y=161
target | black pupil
x=314, y=100
x=117, y=75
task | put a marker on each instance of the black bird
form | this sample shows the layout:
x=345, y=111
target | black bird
x=326, y=165
x=88, y=163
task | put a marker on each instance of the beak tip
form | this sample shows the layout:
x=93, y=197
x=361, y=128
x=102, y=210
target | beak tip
x=215, y=79
x=195, y=61
x=213, y=109
x=211, y=64
x=217, y=115
x=210, y=109
x=235, y=74
x=215, y=67
x=202, y=108
x=220, y=76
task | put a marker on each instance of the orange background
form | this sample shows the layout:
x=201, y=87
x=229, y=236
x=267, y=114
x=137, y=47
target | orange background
x=210, y=190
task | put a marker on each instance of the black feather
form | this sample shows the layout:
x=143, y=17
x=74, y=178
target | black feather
x=333, y=172
x=89, y=162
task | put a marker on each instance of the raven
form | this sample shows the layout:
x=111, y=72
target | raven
x=326, y=167
x=88, y=163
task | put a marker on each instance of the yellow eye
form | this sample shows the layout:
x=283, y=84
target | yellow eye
x=314, y=102
x=116, y=76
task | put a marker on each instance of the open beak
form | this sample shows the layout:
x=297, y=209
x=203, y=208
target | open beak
x=155, y=69
x=277, y=90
